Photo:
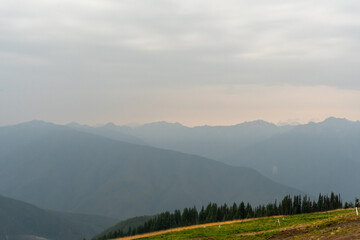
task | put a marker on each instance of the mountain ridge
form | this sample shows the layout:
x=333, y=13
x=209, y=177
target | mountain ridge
x=320, y=150
x=309, y=156
x=76, y=171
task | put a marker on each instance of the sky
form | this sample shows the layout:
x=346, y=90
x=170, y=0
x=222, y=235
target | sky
x=195, y=62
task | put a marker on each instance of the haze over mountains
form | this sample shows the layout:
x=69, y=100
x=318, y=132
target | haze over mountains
x=313, y=157
x=213, y=142
x=316, y=157
x=57, y=167
x=125, y=172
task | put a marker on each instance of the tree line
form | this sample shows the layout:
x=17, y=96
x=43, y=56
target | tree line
x=218, y=213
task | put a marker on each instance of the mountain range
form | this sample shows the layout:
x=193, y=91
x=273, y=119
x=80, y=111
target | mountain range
x=313, y=157
x=123, y=172
x=215, y=142
x=60, y=168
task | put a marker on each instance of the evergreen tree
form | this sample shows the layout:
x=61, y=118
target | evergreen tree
x=242, y=212
x=249, y=211
x=202, y=215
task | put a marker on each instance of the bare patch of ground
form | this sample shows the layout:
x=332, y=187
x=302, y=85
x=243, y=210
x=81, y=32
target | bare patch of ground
x=347, y=229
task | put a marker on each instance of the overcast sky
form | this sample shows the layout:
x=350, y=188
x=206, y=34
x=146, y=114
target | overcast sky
x=190, y=61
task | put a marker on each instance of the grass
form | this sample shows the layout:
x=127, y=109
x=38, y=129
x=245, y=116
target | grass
x=261, y=228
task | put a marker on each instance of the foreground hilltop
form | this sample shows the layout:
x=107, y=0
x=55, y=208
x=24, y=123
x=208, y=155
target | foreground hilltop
x=339, y=224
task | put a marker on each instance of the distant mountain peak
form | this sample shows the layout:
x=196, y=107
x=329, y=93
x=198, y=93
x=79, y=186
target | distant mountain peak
x=289, y=122
x=75, y=124
x=335, y=119
x=37, y=123
x=257, y=123
x=163, y=124
x=333, y=122
x=110, y=124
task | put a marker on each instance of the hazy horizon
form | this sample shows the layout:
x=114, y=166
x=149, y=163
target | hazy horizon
x=289, y=122
x=202, y=62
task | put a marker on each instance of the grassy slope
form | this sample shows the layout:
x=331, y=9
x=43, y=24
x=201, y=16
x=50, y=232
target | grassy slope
x=300, y=226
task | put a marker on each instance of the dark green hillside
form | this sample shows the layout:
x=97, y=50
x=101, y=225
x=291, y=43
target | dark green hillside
x=19, y=220
x=124, y=225
x=68, y=170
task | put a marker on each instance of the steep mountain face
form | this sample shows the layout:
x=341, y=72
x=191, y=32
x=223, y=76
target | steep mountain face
x=19, y=220
x=316, y=157
x=57, y=167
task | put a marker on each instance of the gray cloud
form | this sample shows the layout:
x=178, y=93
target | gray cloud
x=88, y=45
x=195, y=42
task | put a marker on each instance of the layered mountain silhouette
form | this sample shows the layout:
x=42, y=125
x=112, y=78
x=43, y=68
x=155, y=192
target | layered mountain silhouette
x=313, y=157
x=57, y=167
x=22, y=221
x=215, y=142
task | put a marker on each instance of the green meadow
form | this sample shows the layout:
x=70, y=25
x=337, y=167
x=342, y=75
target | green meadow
x=262, y=228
